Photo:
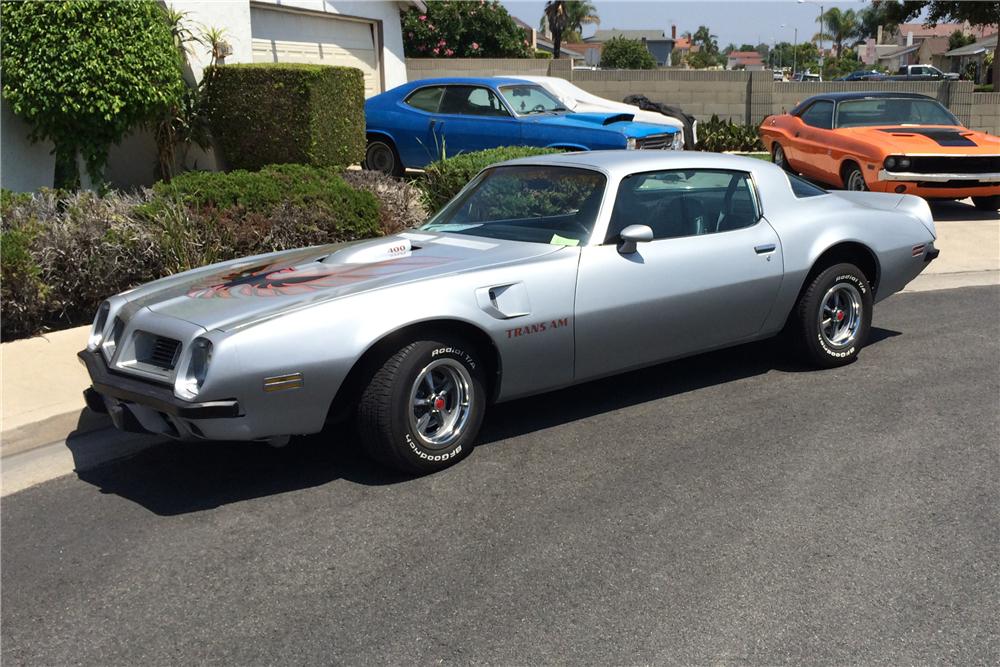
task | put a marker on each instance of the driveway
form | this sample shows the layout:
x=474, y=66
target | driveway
x=726, y=508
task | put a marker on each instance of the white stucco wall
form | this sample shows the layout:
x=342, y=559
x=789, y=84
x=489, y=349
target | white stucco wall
x=24, y=166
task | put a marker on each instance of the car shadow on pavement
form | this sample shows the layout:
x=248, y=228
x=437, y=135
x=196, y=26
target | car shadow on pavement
x=181, y=477
x=947, y=210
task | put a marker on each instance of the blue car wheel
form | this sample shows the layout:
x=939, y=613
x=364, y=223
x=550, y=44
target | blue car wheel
x=381, y=156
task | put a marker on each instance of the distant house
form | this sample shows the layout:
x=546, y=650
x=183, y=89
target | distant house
x=745, y=60
x=958, y=59
x=917, y=44
x=923, y=51
x=656, y=41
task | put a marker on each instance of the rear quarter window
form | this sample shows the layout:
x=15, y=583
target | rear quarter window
x=802, y=188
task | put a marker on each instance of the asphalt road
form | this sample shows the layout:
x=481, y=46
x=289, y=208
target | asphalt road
x=727, y=508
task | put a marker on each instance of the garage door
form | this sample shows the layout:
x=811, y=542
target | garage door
x=281, y=36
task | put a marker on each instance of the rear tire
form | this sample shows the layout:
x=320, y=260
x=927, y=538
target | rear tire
x=421, y=411
x=991, y=203
x=854, y=180
x=833, y=316
x=381, y=155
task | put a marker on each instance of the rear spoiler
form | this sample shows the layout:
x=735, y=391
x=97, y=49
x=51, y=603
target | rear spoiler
x=910, y=204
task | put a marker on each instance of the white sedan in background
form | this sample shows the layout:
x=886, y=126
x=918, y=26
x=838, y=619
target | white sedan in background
x=579, y=100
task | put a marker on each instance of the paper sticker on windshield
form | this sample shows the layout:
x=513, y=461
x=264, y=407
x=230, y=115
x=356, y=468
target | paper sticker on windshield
x=562, y=240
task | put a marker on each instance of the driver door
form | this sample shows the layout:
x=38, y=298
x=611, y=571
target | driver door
x=473, y=118
x=708, y=279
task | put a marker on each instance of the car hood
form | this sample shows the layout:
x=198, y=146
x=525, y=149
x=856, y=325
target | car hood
x=233, y=294
x=618, y=122
x=943, y=139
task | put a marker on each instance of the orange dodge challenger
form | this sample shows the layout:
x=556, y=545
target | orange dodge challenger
x=886, y=142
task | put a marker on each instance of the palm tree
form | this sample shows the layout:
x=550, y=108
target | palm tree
x=566, y=16
x=838, y=26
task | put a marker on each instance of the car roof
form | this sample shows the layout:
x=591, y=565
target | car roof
x=854, y=95
x=620, y=163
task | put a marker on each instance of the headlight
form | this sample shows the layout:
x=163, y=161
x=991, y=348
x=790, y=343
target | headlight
x=678, y=143
x=890, y=162
x=97, y=330
x=630, y=144
x=904, y=163
x=197, y=368
x=111, y=342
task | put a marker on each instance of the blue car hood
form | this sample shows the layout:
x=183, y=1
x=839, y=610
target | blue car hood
x=618, y=122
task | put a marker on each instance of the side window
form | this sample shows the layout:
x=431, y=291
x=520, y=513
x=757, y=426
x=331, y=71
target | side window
x=426, y=99
x=802, y=188
x=684, y=203
x=819, y=114
x=472, y=101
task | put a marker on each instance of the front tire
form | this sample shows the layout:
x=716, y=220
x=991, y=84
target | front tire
x=778, y=157
x=854, y=180
x=991, y=203
x=833, y=316
x=381, y=155
x=422, y=410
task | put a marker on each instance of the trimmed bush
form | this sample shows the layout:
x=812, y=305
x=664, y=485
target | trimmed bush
x=286, y=113
x=399, y=201
x=444, y=178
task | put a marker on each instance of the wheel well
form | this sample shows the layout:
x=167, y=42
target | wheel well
x=383, y=137
x=849, y=162
x=851, y=252
x=385, y=347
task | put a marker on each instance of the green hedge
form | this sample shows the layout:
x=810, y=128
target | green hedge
x=718, y=136
x=63, y=253
x=444, y=178
x=286, y=113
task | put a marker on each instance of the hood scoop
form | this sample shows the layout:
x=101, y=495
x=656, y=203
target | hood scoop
x=940, y=136
x=599, y=118
x=370, y=253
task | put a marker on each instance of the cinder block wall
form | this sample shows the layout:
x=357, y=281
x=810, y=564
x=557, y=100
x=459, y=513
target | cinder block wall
x=984, y=112
x=430, y=68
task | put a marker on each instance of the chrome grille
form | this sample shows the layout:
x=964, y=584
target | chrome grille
x=654, y=142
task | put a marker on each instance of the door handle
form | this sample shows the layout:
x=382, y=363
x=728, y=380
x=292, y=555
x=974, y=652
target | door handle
x=765, y=248
x=797, y=134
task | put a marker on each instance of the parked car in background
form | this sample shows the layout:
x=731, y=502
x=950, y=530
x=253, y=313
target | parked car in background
x=921, y=73
x=422, y=121
x=578, y=100
x=806, y=76
x=862, y=75
x=544, y=272
x=886, y=142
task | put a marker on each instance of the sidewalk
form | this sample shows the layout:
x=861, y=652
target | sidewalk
x=42, y=381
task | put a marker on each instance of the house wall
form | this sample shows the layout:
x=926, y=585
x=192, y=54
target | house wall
x=24, y=166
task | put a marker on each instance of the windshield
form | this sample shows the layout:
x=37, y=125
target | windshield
x=893, y=111
x=533, y=203
x=527, y=99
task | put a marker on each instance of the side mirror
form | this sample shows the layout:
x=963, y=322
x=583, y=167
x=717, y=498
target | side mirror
x=631, y=235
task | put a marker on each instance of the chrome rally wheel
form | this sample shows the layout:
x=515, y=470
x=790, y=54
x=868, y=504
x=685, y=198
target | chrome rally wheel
x=840, y=315
x=440, y=403
x=854, y=180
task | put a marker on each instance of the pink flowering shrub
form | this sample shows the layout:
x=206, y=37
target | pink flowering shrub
x=462, y=30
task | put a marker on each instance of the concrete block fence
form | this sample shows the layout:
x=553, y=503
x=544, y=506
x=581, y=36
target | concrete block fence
x=743, y=97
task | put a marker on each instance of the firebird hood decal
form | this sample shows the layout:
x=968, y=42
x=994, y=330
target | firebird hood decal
x=943, y=137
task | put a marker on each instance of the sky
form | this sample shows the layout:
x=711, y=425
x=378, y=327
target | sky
x=746, y=22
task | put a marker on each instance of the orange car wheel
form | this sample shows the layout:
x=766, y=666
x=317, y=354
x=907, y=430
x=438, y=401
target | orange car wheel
x=854, y=180
x=778, y=156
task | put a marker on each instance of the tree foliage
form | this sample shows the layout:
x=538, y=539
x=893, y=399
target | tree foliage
x=622, y=53
x=82, y=73
x=707, y=54
x=839, y=26
x=462, y=30
x=565, y=19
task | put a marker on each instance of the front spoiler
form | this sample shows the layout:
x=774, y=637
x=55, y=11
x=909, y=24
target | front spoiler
x=158, y=398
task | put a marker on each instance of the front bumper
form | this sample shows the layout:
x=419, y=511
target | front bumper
x=938, y=185
x=141, y=406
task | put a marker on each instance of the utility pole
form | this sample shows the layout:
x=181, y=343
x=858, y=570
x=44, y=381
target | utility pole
x=795, y=52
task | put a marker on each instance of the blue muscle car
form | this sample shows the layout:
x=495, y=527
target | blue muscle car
x=419, y=122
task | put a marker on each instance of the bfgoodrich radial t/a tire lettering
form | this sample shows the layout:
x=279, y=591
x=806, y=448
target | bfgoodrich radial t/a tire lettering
x=833, y=316
x=422, y=410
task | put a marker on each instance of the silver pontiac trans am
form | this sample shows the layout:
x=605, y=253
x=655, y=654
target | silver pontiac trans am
x=541, y=273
